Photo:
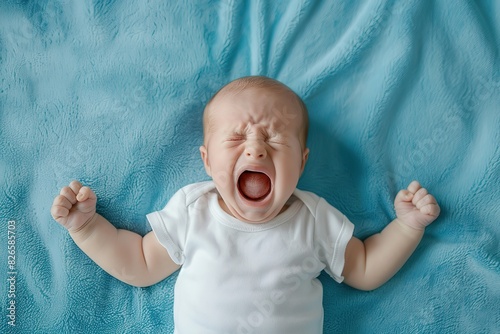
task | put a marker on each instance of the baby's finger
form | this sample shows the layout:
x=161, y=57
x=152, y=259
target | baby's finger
x=69, y=194
x=75, y=186
x=58, y=212
x=428, y=199
x=404, y=196
x=431, y=209
x=414, y=186
x=84, y=194
x=421, y=193
x=62, y=201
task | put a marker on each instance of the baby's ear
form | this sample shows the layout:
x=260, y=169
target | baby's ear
x=204, y=157
x=305, y=156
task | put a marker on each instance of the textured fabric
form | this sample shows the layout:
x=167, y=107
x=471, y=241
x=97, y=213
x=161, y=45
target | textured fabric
x=241, y=278
x=112, y=92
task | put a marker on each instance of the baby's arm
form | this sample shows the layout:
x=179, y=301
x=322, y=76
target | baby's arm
x=136, y=260
x=371, y=263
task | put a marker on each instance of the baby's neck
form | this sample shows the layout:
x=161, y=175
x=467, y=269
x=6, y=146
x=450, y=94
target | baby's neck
x=224, y=207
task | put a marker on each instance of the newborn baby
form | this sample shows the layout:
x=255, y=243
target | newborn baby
x=249, y=244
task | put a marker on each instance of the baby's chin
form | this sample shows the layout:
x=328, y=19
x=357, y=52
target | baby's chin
x=256, y=218
x=251, y=215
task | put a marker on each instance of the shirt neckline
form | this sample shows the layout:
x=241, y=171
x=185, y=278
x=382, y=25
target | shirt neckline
x=229, y=221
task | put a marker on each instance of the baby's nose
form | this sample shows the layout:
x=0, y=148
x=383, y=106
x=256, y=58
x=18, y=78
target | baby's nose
x=255, y=149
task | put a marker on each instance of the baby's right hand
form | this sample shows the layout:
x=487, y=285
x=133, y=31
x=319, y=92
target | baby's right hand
x=74, y=207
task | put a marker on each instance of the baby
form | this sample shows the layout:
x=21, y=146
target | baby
x=249, y=244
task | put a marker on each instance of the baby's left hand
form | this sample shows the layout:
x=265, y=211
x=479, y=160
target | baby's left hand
x=415, y=207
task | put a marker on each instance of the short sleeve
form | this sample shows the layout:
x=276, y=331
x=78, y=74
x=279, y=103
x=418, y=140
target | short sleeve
x=170, y=225
x=332, y=234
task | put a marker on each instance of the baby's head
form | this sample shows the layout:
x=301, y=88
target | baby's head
x=255, y=131
x=269, y=85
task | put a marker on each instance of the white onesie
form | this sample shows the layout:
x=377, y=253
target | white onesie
x=238, y=277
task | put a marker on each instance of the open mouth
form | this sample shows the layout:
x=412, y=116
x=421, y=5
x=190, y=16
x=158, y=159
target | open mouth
x=254, y=186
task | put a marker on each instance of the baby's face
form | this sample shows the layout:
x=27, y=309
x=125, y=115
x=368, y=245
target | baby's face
x=253, y=152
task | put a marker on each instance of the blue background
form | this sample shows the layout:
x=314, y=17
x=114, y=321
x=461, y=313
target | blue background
x=112, y=92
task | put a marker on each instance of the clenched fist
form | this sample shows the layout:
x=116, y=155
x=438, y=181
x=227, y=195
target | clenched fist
x=74, y=207
x=415, y=207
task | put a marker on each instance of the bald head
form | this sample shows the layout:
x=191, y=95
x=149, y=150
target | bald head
x=259, y=82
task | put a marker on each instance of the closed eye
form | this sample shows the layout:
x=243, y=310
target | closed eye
x=236, y=138
x=277, y=141
x=276, y=138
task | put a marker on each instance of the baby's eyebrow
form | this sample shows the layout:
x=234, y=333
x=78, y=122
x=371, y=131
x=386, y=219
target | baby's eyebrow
x=239, y=130
x=231, y=131
x=277, y=127
x=236, y=133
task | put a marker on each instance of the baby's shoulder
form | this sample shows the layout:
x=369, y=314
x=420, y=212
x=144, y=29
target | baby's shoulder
x=309, y=199
x=194, y=191
x=317, y=205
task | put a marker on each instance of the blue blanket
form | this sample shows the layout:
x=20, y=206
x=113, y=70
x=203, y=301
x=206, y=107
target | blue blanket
x=111, y=93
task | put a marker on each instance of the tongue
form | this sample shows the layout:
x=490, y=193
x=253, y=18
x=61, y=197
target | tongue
x=254, y=185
